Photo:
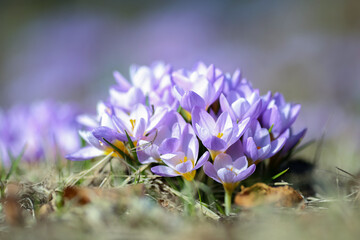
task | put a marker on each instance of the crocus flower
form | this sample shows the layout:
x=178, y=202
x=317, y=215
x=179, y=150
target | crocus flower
x=257, y=144
x=114, y=126
x=240, y=108
x=140, y=121
x=200, y=87
x=96, y=129
x=180, y=154
x=241, y=100
x=43, y=130
x=97, y=146
x=148, y=147
x=220, y=135
x=292, y=141
x=229, y=173
x=152, y=82
x=279, y=115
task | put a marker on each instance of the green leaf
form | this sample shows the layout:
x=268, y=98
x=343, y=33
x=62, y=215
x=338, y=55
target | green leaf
x=132, y=147
x=123, y=155
x=14, y=162
x=279, y=174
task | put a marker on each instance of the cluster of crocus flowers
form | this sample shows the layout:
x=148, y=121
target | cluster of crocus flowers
x=170, y=116
x=39, y=132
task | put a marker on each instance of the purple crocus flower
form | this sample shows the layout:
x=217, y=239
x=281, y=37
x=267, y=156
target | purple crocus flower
x=279, y=115
x=96, y=144
x=140, y=122
x=227, y=171
x=257, y=144
x=44, y=130
x=220, y=135
x=97, y=128
x=292, y=141
x=153, y=82
x=148, y=147
x=180, y=154
x=240, y=108
x=113, y=126
x=240, y=99
x=200, y=87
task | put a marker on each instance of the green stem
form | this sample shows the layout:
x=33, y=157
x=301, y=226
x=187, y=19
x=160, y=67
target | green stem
x=188, y=192
x=228, y=202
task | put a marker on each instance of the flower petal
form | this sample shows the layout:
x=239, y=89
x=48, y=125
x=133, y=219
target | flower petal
x=276, y=145
x=164, y=171
x=255, y=110
x=190, y=100
x=210, y=171
x=160, y=115
x=85, y=154
x=223, y=123
x=126, y=100
x=240, y=107
x=184, y=167
x=245, y=174
x=109, y=134
x=242, y=126
x=203, y=159
x=241, y=164
x=173, y=159
x=225, y=175
x=214, y=143
x=201, y=117
x=250, y=149
x=123, y=84
x=89, y=137
x=169, y=145
x=293, y=140
x=222, y=160
x=139, y=129
x=225, y=107
x=147, y=152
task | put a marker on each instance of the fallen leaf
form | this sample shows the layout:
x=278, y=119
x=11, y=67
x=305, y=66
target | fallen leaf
x=45, y=210
x=13, y=212
x=262, y=194
x=85, y=195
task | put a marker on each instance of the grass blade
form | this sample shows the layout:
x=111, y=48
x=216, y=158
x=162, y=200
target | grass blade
x=279, y=174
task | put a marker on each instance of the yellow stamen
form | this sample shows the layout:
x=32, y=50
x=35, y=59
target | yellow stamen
x=220, y=135
x=189, y=176
x=133, y=122
x=184, y=160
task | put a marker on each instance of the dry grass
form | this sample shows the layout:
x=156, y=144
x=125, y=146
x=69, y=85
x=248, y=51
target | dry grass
x=106, y=203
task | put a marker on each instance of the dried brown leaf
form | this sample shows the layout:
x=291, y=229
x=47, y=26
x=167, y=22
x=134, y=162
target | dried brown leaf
x=85, y=195
x=262, y=194
x=13, y=212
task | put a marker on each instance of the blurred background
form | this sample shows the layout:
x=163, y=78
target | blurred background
x=308, y=50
